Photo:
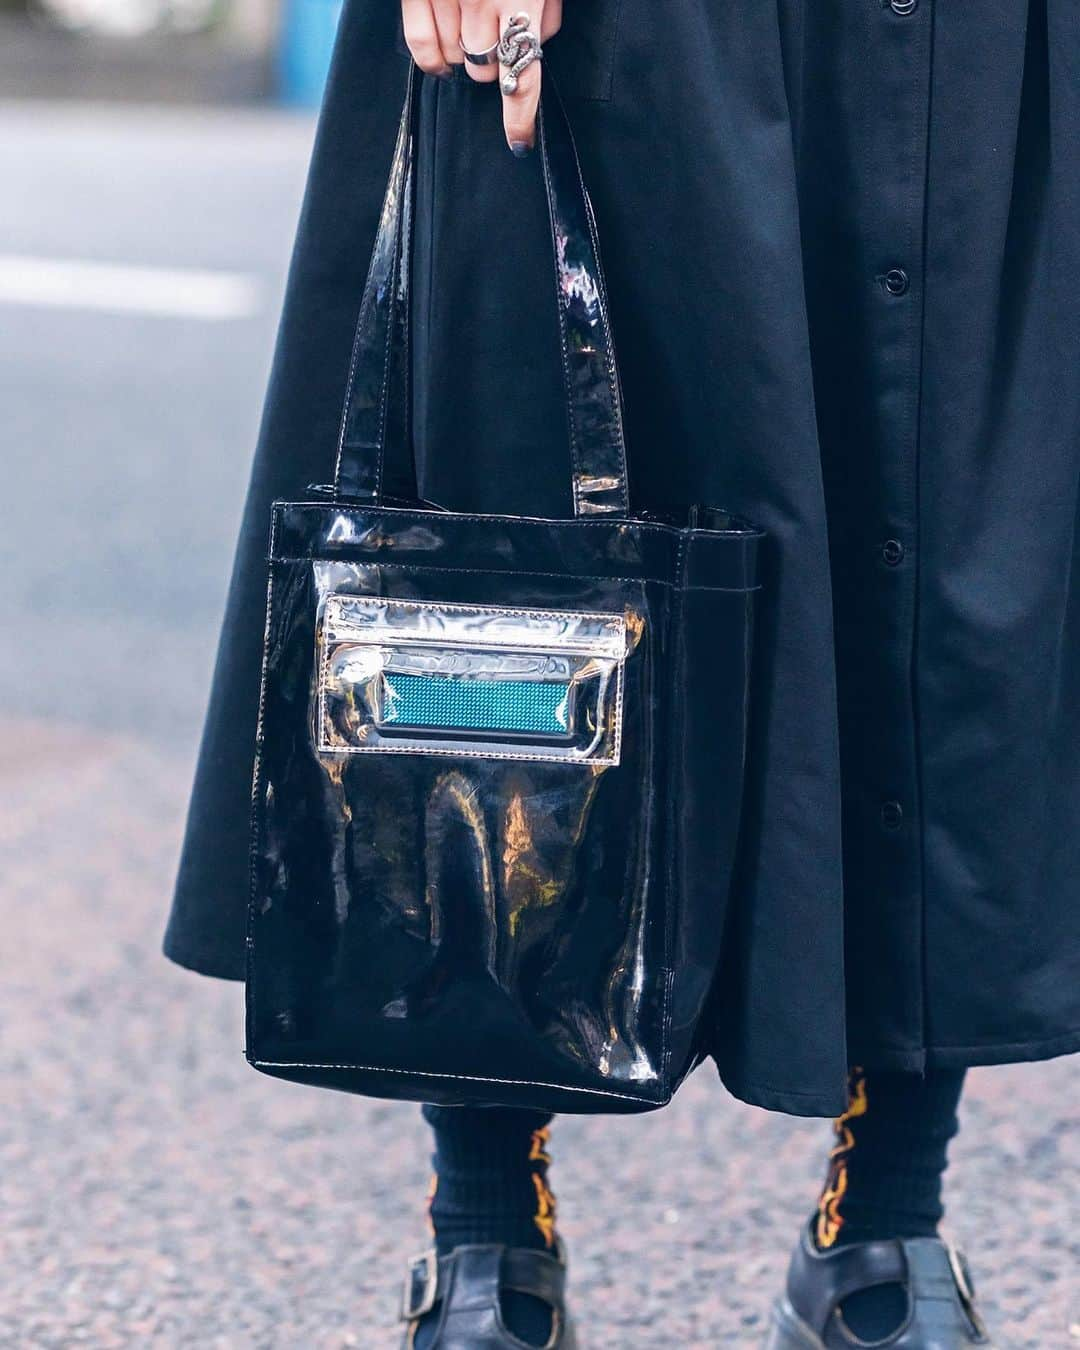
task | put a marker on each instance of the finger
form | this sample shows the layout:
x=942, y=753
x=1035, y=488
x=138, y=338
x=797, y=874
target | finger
x=422, y=36
x=552, y=19
x=448, y=24
x=519, y=107
x=479, y=31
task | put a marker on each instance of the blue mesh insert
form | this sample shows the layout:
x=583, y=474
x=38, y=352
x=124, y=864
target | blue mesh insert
x=472, y=704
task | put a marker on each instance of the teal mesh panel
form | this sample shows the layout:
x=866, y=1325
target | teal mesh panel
x=475, y=704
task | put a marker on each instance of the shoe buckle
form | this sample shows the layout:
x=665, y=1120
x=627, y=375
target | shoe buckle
x=421, y=1286
x=965, y=1288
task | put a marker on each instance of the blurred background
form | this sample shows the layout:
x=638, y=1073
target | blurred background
x=186, y=51
x=155, y=1192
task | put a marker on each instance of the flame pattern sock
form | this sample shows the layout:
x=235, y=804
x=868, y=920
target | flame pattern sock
x=884, y=1176
x=490, y=1185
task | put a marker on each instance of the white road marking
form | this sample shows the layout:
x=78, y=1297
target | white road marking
x=182, y=293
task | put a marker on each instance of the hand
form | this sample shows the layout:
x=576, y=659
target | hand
x=433, y=29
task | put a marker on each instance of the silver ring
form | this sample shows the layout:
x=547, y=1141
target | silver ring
x=517, y=49
x=488, y=58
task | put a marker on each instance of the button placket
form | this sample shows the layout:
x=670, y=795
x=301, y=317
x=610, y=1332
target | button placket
x=880, y=721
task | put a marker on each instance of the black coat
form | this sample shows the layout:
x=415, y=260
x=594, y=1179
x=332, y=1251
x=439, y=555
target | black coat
x=843, y=249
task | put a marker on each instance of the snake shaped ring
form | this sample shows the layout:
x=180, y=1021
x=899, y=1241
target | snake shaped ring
x=518, y=48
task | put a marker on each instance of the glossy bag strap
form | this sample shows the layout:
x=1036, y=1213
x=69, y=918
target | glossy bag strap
x=375, y=461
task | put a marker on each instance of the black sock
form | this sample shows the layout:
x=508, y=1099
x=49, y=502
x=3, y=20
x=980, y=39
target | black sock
x=884, y=1178
x=490, y=1185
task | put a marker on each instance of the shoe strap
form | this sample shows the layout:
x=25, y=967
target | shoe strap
x=491, y=1268
x=818, y=1282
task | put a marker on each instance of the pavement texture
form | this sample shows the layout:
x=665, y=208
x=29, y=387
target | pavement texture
x=154, y=1191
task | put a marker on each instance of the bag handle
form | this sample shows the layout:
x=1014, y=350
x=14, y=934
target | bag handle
x=374, y=460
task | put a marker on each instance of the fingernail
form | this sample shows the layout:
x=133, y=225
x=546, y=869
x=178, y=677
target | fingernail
x=521, y=148
x=447, y=73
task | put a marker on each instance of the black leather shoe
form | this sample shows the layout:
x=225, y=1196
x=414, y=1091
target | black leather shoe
x=461, y=1293
x=941, y=1312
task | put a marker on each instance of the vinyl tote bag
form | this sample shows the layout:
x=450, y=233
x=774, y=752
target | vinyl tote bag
x=499, y=759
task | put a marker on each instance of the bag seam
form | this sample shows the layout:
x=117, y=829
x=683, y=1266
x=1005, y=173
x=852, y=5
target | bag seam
x=503, y=572
x=461, y=1077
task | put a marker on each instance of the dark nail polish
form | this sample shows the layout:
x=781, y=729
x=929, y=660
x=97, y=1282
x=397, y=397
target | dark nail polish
x=447, y=74
x=521, y=148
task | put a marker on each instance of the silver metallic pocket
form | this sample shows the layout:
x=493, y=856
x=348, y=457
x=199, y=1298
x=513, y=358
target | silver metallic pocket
x=423, y=677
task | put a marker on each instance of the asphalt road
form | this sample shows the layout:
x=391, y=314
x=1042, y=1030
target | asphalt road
x=154, y=1192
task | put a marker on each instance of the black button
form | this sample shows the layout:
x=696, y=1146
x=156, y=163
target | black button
x=892, y=815
x=903, y=7
x=892, y=550
x=896, y=281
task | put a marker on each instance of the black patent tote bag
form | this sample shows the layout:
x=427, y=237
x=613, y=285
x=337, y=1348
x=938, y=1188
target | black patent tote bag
x=499, y=760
